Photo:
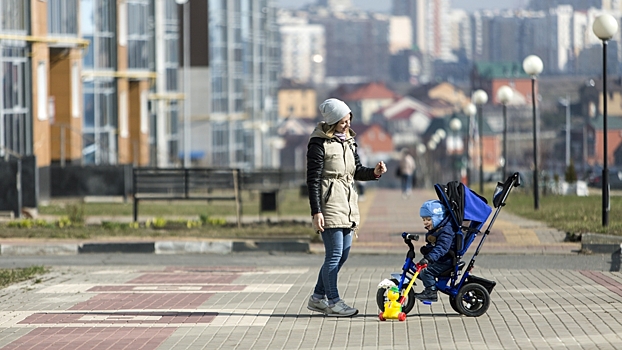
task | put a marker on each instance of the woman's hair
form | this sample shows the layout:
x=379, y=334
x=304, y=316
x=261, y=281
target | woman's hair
x=330, y=129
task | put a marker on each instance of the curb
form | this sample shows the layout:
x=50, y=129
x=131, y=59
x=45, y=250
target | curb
x=600, y=243
x=156, y=247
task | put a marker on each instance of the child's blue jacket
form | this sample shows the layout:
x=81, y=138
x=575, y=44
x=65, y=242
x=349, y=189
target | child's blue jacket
x=438, y=251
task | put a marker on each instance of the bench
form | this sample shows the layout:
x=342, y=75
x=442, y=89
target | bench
x=185, y=184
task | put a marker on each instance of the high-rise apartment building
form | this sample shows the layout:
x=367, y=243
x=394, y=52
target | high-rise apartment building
x=302, y=49
x=84, y=82
x=429, y=20
x=357, y=45
x=244, y=66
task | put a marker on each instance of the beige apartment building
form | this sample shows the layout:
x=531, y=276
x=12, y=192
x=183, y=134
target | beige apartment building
x=90, y=82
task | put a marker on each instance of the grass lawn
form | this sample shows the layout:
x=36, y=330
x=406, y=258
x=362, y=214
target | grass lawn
x=289, y=203
x=11, y=276
x=571, y=214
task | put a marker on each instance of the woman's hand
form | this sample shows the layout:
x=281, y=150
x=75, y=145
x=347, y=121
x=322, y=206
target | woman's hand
x=380, y=169
x=318, y=222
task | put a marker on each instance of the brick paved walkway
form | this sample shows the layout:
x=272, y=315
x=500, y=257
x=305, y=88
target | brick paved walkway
x=265, y=308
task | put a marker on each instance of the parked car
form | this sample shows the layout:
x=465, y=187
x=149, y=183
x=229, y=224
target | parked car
x=615, y=178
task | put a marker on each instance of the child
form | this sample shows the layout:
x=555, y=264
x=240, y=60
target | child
x=436, y=253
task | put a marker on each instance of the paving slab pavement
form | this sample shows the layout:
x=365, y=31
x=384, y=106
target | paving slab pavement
x=386, y=214
x=257, y=307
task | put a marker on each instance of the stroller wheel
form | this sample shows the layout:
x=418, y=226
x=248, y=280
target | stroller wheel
x=452, y=303
x=409, y=303
x=472, y=300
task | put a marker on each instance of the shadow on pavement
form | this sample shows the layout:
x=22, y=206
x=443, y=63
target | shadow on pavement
x=615, y=261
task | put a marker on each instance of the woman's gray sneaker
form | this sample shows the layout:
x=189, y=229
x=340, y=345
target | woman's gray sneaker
x=340, y=309
x=317, y=305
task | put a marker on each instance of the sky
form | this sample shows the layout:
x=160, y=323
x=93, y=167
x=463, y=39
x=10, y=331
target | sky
x=385, y=5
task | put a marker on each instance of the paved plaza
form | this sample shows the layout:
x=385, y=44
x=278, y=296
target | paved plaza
x=257, y=306
x=265, y=308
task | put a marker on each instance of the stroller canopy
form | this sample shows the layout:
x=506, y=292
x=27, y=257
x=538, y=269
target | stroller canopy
x=463, y=203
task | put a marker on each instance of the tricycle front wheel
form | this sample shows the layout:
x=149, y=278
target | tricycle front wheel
x=381, y=298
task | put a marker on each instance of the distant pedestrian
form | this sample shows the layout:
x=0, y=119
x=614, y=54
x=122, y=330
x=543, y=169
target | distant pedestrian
x=407, y=171
x=332, y=167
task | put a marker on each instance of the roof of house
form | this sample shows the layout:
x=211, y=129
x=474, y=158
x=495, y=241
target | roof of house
x=497, y=70
x=289, y=84
x=404, y=114
x=613, y=122
x=370, y=91
x=403, y=103
x=423, y=90
x=360, y=129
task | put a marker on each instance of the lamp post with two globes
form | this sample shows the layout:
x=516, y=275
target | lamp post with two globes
x=533, y=66
x=480, y=97
x=504, y=95
x=605, y=26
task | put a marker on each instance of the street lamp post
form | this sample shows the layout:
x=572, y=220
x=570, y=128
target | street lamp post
x=470, y=111
x=431, y=146
x=605, y=26
x=533, y=66
x=504, y=95
x=480, y=97
x=186, y=47
x=455, y=125
x=566, y=103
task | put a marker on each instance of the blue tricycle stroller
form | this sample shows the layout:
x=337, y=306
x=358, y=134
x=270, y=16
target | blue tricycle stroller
x=468, y=294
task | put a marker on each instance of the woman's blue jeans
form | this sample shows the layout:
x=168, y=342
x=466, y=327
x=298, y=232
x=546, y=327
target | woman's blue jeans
x=337, y=243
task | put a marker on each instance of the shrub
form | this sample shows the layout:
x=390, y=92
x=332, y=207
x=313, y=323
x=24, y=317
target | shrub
x=64, y=221
x=157, y=222
x=23, y=223
x=75, y=213
x=571, y=174
x=212, y=221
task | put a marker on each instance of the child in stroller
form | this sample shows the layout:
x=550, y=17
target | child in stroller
x=465, y=212
x=439, y=246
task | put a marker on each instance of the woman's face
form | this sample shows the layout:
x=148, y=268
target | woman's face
x=343, y=125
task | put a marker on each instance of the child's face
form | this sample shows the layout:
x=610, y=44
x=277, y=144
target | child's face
x=427, y=222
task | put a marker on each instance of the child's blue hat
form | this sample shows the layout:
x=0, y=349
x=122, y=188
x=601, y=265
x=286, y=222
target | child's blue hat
x=434, y=209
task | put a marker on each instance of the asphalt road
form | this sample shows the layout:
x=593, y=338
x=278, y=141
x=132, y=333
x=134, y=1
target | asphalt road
x=596, y=262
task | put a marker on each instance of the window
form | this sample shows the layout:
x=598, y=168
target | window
x=42, y=91
x=97, y=25
x=13, y=15
x=15, y=120
x=172, y=134
x=139, y=33
x=63, y=17
x=100, y=123
x=124, y=130
x=75, y=90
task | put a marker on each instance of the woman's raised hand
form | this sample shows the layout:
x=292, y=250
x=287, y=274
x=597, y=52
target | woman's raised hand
x=380, y=169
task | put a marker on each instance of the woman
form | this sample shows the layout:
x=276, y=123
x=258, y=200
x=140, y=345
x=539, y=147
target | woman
x=332, y=166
